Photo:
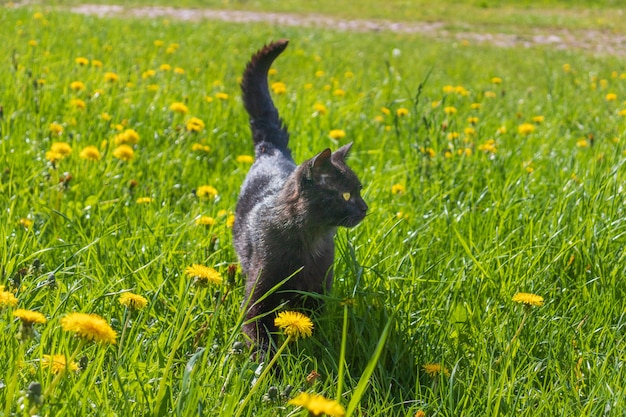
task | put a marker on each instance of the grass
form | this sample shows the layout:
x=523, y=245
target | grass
x=428, y=277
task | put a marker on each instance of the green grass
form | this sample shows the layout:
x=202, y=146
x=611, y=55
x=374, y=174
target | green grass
x=508, y=16
x=430, y=272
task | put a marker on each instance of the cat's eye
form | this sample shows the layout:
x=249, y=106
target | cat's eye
x=346, y=196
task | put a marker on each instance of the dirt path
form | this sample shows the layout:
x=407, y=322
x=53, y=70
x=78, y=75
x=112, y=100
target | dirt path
x=594, y=41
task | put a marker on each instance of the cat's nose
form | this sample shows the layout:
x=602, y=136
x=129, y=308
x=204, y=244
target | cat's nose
x=363, y=207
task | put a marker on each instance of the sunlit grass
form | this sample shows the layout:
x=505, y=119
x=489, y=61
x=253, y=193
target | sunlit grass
x=489, y=172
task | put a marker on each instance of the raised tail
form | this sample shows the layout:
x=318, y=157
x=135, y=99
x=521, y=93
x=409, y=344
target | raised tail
x=265, y=123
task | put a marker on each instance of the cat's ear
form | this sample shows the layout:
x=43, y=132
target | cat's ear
x=342, y=153
x=321, y=158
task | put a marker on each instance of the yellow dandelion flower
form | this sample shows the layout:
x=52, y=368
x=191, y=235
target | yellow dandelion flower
x=475, y=106
x=525, y=129
x=528, y=299
x=245, y=159
x=33, y=43
x=203, y=275
x=472, y=120
x=153, y=87
x=158, y=43
x=611, y=97
x=435, y=104
x=221, y=96
x=58, y=363
x=133, y=301
x=78, y=104
x=206, y=192
x=318, y=405
x=272, y=71
x=496, y=80
x=128, y=136
x=488, y=146
x=144, y=200
x=420, y=413
x=337, y=134
x=490, y=94
x=90, y=153
x=179, y=107
x=385, y=111
x=430, y=152
x=320, y=108
x=89, y=326
x=7, y=298
x=348, y=74
x=339, y=92
x=111, y=77
x=401, y=112
x=398, y=189
x=501, y=130
x=53, y=156
x=434, y=369
x=448, y=89
x=165, y=67
x=25, y=222
x=449, y=110
x=179, y=70
x=62, y=148
x=453, y=135
x=105, y=116
x=319, y=73
x=279, y=87
x=96, y=63
x=230, y=220
x=622, y=112
x=294, y=324
x=538, y=119
x=379, y=118
x=55, y=128
x=38, y=16
x=567, y=68
x=198, y=147
x=460, y=90
x=194, y=125
x=148, y=74
x=205, y=221
x=77, y=85
x=469, y=131
x=82, y=61
x=30, y=317
x=124, y=152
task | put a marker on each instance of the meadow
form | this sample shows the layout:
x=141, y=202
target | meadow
x=489, y=172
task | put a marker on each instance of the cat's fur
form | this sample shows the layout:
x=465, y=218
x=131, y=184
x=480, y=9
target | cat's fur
x=287, y=214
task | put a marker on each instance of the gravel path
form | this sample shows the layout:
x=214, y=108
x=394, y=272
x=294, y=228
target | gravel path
x=594, y=41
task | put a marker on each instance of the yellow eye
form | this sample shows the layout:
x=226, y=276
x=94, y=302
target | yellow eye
x=346, y=196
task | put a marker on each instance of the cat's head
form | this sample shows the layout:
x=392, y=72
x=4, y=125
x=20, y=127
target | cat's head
x=332, y=189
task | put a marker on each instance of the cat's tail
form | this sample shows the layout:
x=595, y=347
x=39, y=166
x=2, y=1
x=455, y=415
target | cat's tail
x=265, y=123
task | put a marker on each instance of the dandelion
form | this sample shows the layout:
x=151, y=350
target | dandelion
x=144, y=200
x=203, y=275
x=133, y=301
x=320, y=108
x=89, y=327
x=55, y=129
x=434, y=369
x=429, y=152
x=32, y=43
x=148, y=74
x=294, y=324
x=205, y=221
x=318, y=405
x=26, y=223
x=385, y=111
x=453, y=135
x=337, y=134
x=29, y=317
x=165, y=67
x=90, y=153
x=528, y=299
x=82, y=61
x=221, y=96
x=179, y=107
x=538, y=119
x=525, y=129
x=78, y=104
x=567, y=68
x=460, y=90
x=348, y=74
x=62, y=148
x=319, y=73
x=7, y=298
x=401, y=112
x=420, y=413
x=179, y=71
x=124, y=152
x=206, y=192
x=96, y=63
x=279, y=87
x=501, y=130
x=58, y=363
x=53, y=157
x=194, y=125
x=230, y=220
x=488, y=146
x=448, y=89
x=490, y=94
x=475, y=106
x=339, y=92
x=496, y=80
x=111, y=77
x=449, y=110
x=472, y=120
x=245, y=159
x=128, y=136
x=198, y=147
x=469, y=131
x=611, y=97
x=105, y=116
x=77, y=85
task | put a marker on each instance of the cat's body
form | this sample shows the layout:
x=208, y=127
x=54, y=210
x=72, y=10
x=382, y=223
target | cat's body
x=287, y=214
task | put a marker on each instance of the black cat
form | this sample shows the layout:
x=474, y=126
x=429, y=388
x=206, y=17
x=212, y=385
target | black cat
x=287, y=214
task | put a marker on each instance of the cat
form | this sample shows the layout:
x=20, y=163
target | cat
x=287, y=214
